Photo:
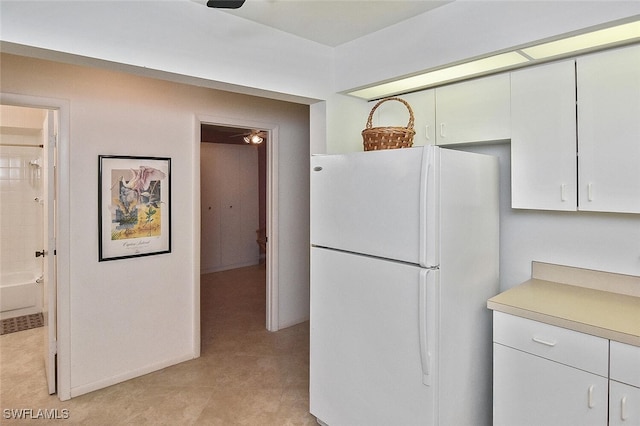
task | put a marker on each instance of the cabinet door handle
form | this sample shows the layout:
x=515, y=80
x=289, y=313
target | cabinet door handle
x=563, y=192
x=623, y=409
x=590, y=192
x=442, y=130
x=590, y=398
x=426, y=132
x=543, y=342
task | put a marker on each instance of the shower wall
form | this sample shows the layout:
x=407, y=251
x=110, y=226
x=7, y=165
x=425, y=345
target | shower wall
x=21, y=173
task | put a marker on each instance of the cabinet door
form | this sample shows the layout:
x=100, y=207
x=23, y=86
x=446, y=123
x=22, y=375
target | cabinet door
x=474, y=111
x=624, y=404
x=530, y=390
x=608, y=85
x=395, y=114
x=543, y=137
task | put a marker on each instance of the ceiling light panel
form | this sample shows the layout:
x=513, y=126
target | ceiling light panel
x=622, y=33
x=467, y=69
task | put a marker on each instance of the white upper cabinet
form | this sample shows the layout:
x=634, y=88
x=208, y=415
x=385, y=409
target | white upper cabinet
x=474, y=111
x=603, y=130
x=393, y=113
x=609, y=130
x=543, y=137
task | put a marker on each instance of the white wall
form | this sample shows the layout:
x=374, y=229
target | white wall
x=152, y=298
x=600, y=241
x=181, y=39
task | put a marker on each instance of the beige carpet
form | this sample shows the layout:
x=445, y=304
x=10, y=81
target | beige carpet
x=246, y=375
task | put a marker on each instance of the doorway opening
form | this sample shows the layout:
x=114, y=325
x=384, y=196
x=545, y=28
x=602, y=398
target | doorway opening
x=233, y=189
x=28, y=159
x=238, y=188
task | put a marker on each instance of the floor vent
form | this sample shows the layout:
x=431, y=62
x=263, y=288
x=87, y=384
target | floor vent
x=25, y=322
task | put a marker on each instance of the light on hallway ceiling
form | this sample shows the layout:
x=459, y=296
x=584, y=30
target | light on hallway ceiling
x=253, y=139
x=626, y=33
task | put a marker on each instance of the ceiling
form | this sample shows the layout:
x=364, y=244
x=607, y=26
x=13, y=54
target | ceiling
x=332, y=22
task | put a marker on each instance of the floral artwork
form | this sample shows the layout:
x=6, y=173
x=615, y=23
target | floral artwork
x=135, y=201
x=134, y=206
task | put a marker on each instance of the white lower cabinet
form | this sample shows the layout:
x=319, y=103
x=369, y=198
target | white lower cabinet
x=530, y=390
x=624, y=385
x=546, y=375
x=624, y=404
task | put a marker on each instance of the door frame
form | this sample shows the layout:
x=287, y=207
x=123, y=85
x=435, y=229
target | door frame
x=272, y=215
x=62, y=211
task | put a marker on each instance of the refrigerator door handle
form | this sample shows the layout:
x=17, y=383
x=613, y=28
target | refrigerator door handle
x=426, y=318
x=428, y=207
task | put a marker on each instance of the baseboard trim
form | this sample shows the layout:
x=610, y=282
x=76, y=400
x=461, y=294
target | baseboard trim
x=227, y=267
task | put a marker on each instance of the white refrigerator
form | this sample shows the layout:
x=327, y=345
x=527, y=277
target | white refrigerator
x=404, y=257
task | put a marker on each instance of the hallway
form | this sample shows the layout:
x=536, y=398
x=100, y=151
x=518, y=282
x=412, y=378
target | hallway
x=245, y=375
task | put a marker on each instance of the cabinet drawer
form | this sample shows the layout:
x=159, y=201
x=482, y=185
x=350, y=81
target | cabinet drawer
x=625, y=363
x=579, y=350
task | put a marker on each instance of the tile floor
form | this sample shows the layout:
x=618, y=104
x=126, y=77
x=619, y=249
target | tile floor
x=245, y=375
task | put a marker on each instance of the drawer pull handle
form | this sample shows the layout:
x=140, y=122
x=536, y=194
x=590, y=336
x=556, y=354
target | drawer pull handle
x=591, y=403
x=623, y=409
x=543, y=342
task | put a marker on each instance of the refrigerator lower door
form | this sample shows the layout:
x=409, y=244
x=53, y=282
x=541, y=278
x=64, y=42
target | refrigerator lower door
x=370, y=202
x=371, y=359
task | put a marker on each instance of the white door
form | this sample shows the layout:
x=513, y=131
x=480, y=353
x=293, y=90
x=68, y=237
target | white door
x=372, y=335
x=230, y=207
x=49, y=263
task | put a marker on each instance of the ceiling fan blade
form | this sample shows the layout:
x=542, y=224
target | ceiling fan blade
x=225, y=4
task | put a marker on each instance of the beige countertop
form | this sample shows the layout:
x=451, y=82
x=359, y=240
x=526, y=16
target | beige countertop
x=593, y=302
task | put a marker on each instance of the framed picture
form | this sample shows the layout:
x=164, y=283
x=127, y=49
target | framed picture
x=134, y=206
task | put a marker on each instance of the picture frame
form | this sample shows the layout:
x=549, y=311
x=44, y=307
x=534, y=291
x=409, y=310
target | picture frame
x=134, y=206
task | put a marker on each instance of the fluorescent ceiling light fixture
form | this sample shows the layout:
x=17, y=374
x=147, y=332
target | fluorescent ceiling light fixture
x=624, y=33
x=592, y=40
x=476, y=67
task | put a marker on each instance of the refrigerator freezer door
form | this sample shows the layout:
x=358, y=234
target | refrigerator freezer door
x=369, y=353
x=371, y=202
